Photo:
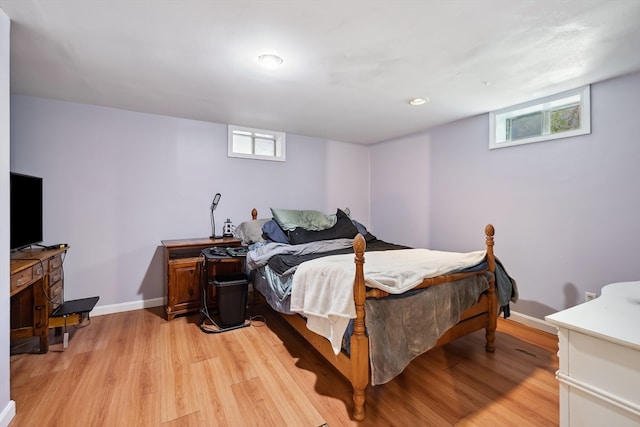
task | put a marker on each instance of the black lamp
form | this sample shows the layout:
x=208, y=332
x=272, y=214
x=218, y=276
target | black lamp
x=214, y=205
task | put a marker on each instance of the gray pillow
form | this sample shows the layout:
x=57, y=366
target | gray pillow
x=251, y=231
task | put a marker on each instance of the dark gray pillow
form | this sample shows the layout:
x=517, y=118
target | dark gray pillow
x=344, y=229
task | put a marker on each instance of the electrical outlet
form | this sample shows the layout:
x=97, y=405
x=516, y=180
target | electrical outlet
x=588, y=296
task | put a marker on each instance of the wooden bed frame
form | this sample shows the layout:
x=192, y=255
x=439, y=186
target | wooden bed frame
x=483, y=315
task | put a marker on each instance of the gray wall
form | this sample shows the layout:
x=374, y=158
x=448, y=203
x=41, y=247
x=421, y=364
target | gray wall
x=400, y=189
x=565, y=212
x=117, y=182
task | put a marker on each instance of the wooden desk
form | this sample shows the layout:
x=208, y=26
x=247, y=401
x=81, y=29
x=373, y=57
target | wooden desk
x=183, y=264
x=36, y=289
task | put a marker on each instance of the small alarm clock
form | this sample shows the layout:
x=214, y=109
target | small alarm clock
x=228, y=228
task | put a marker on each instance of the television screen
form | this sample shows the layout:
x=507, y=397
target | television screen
x=26, y=210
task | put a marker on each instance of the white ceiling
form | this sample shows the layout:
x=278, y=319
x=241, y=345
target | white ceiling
x=350, y=66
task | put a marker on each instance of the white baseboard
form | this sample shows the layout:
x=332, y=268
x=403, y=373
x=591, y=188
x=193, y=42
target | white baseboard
x=127, y=306
x=533, y=322
x=7, y=414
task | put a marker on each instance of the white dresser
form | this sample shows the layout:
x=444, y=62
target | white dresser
x=599, y=352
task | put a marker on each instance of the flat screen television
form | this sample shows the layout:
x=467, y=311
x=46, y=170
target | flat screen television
x=26, y=210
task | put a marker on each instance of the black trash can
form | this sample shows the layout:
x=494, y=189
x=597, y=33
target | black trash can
x=231, y=296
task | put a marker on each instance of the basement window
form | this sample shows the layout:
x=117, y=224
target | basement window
x=249, y=143
x=557, y=116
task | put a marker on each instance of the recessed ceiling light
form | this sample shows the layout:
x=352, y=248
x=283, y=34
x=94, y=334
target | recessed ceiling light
x=270, y=60
x=418, y=101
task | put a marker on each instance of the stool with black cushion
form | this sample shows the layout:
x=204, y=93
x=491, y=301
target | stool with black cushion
x=76, y=307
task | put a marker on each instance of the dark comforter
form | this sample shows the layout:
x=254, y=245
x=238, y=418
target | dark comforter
x=284, y=262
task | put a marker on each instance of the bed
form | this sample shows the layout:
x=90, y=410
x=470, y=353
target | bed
x=358, y=342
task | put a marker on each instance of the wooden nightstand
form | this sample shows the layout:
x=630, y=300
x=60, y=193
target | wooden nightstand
x=183, y=260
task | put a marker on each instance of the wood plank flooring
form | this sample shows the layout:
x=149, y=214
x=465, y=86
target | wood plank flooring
x=137, y=369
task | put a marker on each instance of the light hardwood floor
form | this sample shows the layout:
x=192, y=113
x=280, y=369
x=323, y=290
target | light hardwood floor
x=137, y=369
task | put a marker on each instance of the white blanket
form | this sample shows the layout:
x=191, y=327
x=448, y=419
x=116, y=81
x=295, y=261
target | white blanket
x=322, y=289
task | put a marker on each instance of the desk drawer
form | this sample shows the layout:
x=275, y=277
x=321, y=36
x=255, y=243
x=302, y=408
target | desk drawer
x=55, y=295
x=55, y=282
x=55, y=262
x=21, y=279
x=38, y=270
x=55, y=276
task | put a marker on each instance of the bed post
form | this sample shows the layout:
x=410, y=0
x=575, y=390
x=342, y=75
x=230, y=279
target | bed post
x=490, y=333
x=359, y=341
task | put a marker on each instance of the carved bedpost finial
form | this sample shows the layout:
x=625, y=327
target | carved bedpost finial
x=254, y=213
x=359, y=244
x=489, y=230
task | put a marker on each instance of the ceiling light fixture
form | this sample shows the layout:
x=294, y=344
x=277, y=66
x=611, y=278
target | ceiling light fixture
x=269, y=60
x=418, y=101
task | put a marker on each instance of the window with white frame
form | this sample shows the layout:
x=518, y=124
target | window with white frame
x=260, y=144
x=557, y=116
